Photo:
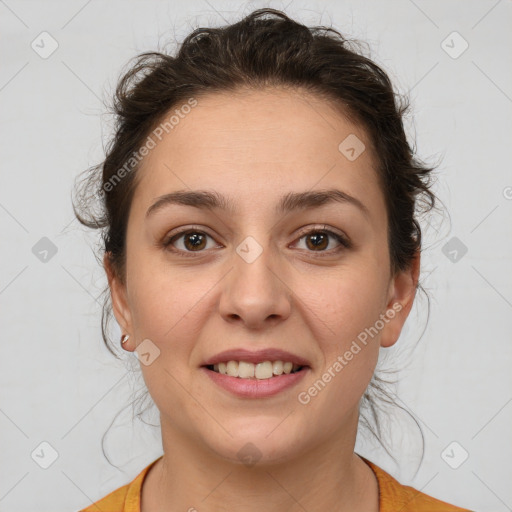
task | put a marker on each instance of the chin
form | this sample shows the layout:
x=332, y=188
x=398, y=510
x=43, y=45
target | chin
x=261, y=444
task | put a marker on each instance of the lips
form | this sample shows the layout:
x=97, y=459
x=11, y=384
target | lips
x=255, y=357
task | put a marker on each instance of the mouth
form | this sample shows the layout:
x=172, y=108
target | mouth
x=263, y=370
x=248, y=380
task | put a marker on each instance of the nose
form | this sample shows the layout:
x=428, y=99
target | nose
x=255, y=292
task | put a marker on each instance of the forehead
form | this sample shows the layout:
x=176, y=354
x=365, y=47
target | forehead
x=252, y=144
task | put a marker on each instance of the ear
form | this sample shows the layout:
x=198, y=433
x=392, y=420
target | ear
x=120, y=306
x=402, y=290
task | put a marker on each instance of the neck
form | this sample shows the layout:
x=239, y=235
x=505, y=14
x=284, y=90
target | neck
x=328, y=476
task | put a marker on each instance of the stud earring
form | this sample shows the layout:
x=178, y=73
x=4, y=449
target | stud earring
x=124, y=339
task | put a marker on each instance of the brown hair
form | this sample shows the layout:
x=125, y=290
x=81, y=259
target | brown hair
x=265, y=48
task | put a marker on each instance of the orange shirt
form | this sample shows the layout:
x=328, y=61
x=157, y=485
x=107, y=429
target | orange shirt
x=393, y=496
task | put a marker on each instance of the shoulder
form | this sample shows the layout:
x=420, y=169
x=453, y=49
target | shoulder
x=114, y=501
x=124, y=499
x=395, y=496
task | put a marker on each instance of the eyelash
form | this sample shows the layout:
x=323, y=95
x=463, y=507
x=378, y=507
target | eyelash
x=345, y=243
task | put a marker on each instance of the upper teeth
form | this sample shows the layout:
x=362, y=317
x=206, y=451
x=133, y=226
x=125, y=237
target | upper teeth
x=263, y=370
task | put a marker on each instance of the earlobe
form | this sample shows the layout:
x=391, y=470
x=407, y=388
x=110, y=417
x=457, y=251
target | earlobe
x=120, y=306
x=402, y=292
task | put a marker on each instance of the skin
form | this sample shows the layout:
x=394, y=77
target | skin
x=255, y=146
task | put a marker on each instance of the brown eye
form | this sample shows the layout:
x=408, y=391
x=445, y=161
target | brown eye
x=196, y=241
x=318, y=240
x=192, y=241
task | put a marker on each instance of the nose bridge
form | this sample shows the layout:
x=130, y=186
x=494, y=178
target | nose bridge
x=257, y=256
x=254, y=264
x=255, y=290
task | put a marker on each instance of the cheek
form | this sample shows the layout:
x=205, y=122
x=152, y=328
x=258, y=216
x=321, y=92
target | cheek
x=347, y=302
x=345, y=316
x=166, y=308
x=167, y=304
x=333, y=396
x=350, y=350
x=162, y=308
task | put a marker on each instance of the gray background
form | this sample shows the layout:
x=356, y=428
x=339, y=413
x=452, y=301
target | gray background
x=60, y=386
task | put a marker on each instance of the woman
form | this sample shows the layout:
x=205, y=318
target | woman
x=261, y=245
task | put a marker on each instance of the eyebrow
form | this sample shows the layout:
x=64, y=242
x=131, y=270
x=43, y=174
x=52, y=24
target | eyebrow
x=209, y=200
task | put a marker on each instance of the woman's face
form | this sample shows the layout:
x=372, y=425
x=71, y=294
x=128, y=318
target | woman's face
x=251, y=277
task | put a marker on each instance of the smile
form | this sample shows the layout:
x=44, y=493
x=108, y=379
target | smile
x=263, y=370
x=262, y=384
